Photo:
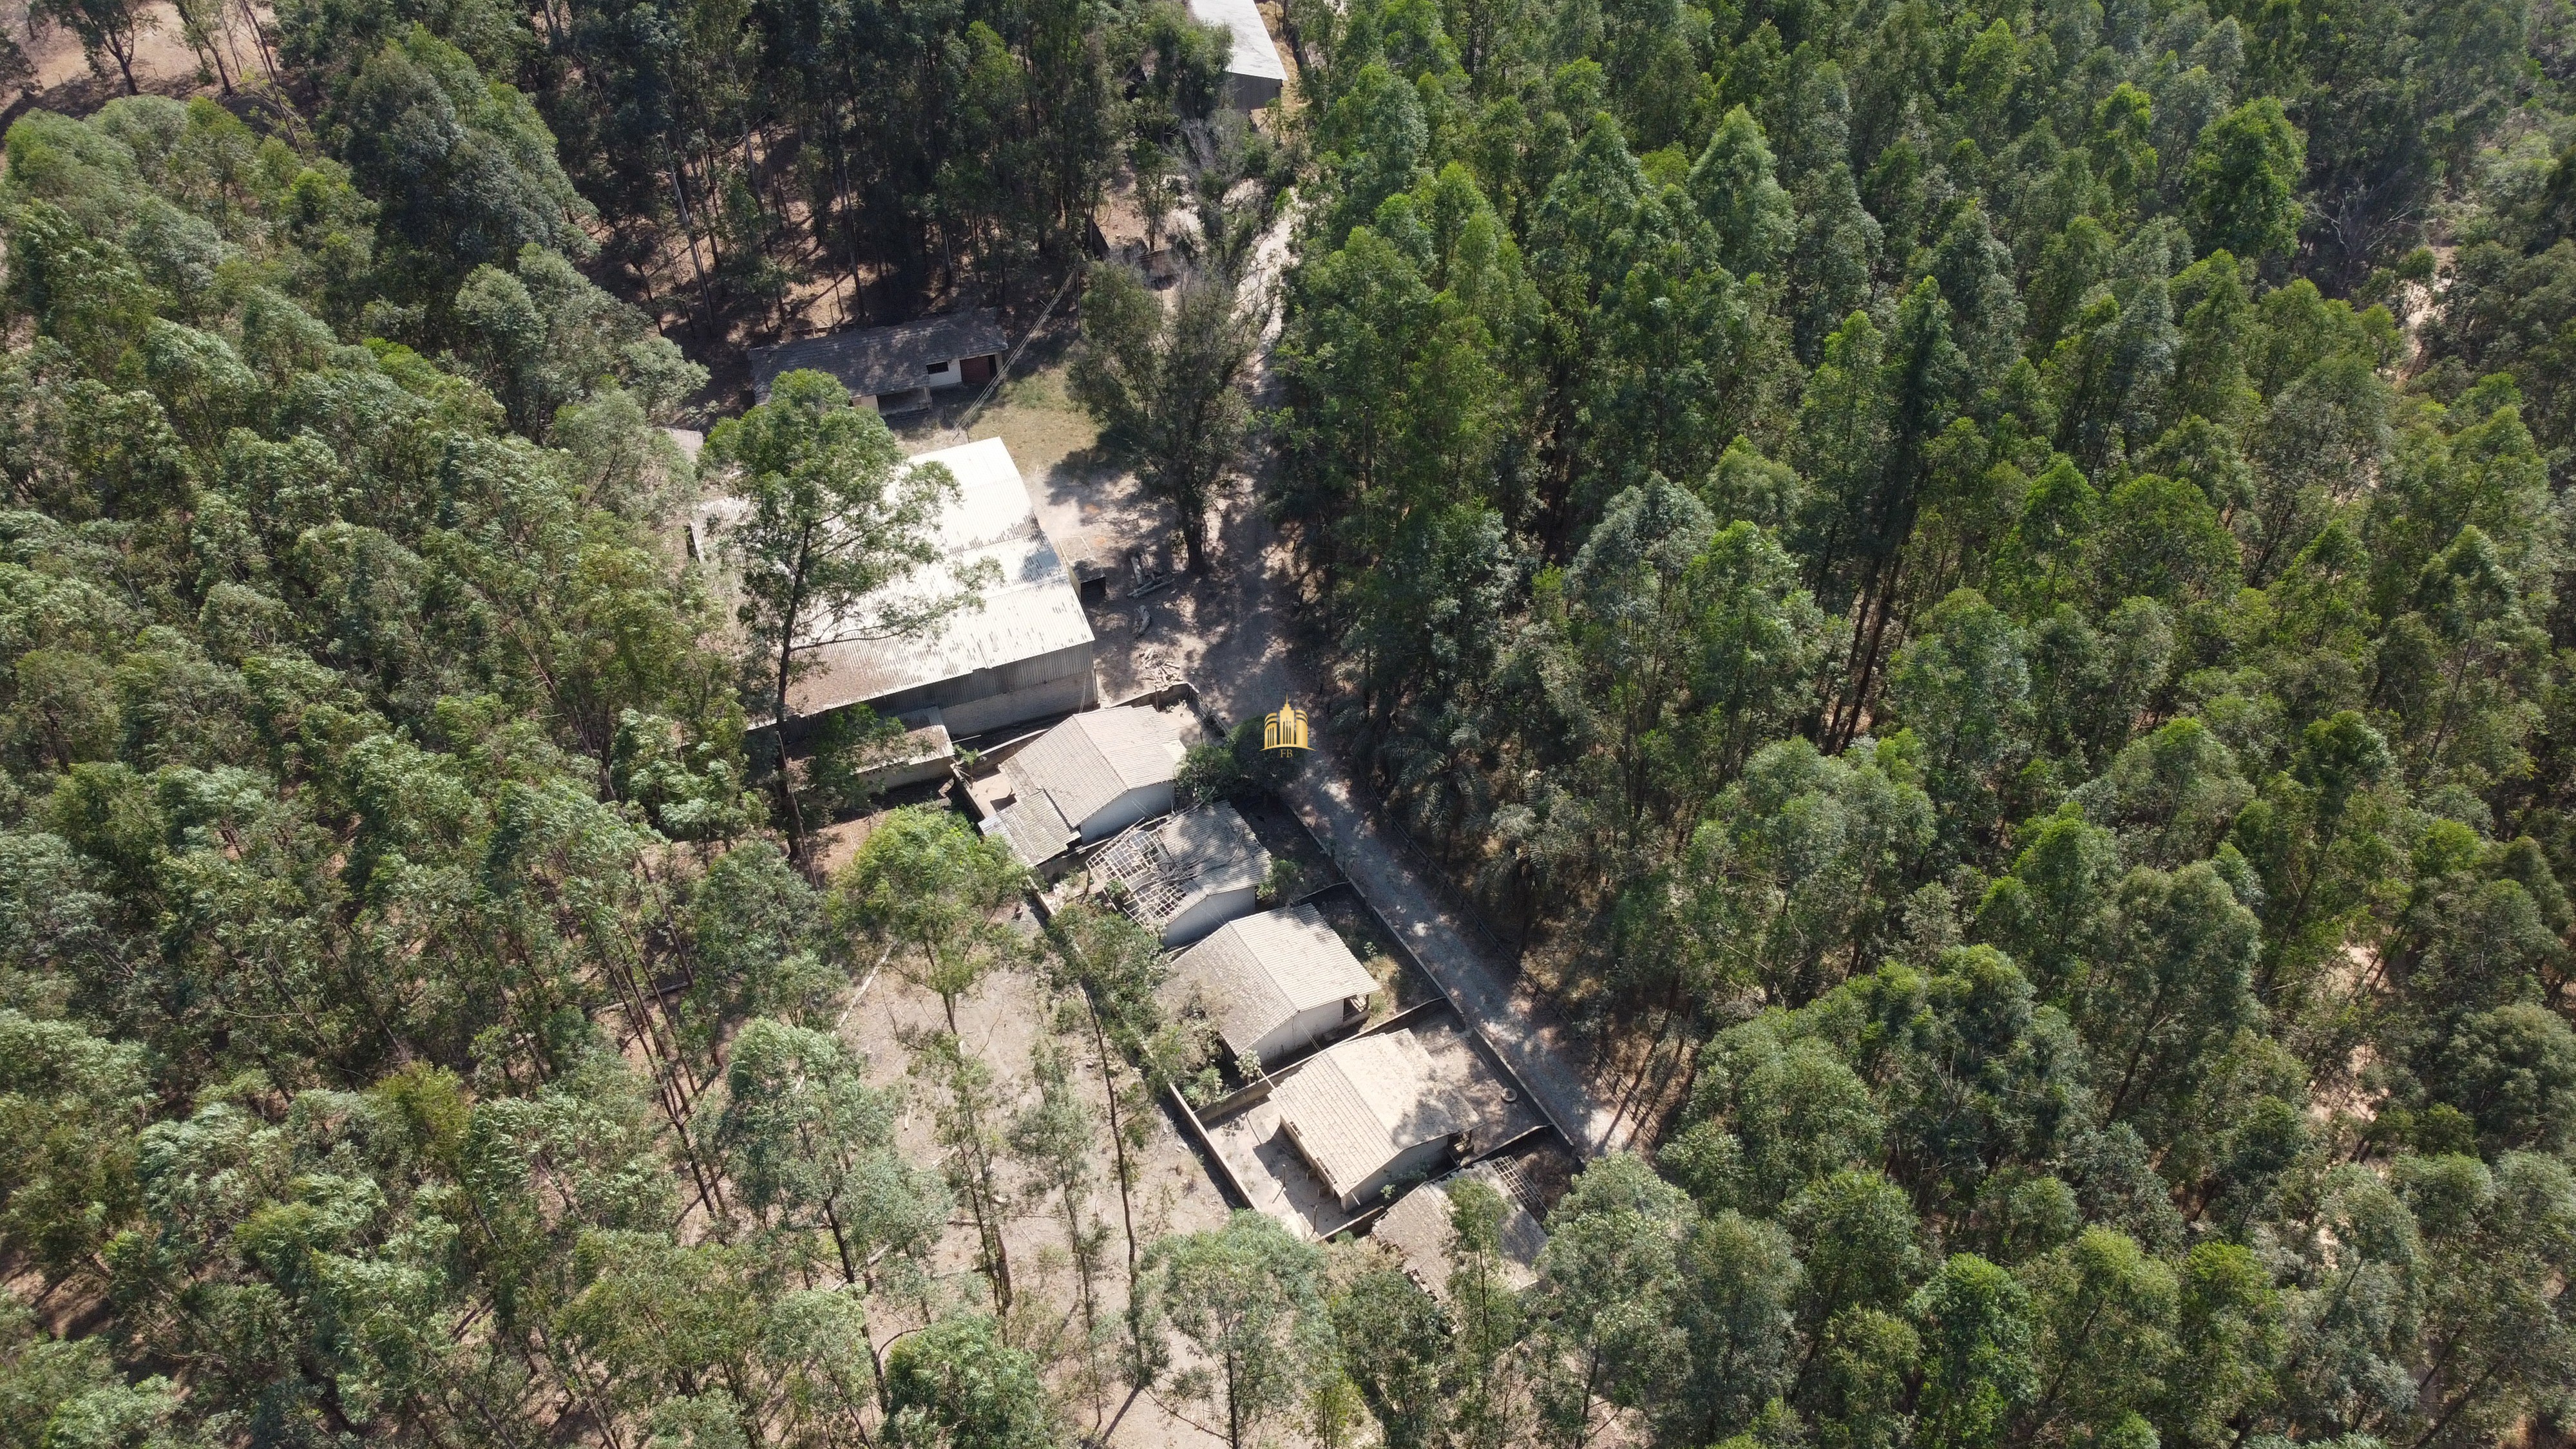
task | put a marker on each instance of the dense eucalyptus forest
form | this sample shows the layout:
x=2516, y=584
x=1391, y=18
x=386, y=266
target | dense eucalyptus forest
x=1992, y=576
x=1976, y=592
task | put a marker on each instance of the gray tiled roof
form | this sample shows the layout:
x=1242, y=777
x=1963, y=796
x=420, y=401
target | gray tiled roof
x=1095, y=757
x=872, y=360
x=1418, y=1228
x=1033, y=829
x=1256, y=973
x=1358, y=1106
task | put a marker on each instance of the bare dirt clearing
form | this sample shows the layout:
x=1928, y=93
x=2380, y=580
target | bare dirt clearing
x=1002, y=1023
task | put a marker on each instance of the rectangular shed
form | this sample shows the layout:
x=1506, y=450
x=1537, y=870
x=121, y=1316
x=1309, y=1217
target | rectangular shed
x=1275, y=983
x=1370, y=1111
x=893, y=369
x=1024, y=653
x=1254, y=75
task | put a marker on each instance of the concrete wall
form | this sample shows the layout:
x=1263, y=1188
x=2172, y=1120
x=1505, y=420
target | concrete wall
x=914, y=399
x=1250, y=92
x=1298, y=1033
x=1420, y=1160
x=1206, y=914
x=1005, y=695
x=925, y=756
x=1141, y=803
x=1001, y=711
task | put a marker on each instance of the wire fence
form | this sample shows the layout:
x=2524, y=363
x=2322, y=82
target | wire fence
x=1002, y=373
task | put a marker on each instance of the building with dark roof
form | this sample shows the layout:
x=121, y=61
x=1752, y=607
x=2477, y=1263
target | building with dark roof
x=893, y=369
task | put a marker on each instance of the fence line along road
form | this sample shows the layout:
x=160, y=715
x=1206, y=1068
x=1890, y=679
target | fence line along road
x=1527, y=1032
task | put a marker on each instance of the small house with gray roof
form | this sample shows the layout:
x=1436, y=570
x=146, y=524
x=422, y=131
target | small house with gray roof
x=893, y=369
x=1275, y=983
x=1088, y=778
x=1370, y=1111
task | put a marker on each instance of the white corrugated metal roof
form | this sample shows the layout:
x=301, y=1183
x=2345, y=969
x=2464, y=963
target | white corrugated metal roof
x=1256, y=973
x=1254, y=53
x=1095, y=757
x=992, y=502
x=1033, y=610
x=1357, y=1106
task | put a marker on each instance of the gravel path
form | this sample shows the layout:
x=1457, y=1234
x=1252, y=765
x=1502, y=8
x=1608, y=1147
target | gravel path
x=1525, y=1030
x=1242, y=667
x=1244, y=673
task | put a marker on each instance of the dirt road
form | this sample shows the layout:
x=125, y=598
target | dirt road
x=1247, y=679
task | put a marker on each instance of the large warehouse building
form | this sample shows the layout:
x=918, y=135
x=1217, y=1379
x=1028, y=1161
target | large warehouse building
x=1023, y=654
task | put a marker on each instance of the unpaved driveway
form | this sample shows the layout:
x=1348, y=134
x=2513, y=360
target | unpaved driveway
x=1231, y=637
x=1229, y=634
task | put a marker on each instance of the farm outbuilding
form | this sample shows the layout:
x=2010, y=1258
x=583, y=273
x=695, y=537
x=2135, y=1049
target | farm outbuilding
x=1090, y=777
x=1370, y=1111
x=1275, y=983
x=1022, y=654
x=893, y=369
x=1254, y=75
x=1187, y=875
x=1419, y=1230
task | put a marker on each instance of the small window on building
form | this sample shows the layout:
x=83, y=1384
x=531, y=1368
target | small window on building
x=936, y=367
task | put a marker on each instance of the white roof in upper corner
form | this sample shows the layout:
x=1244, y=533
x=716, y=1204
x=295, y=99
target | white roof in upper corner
x=1093, y=758
x=1032, y=611
x=1254, y=54
x=1358, y=1106
x=1258, y=973
x=992, y=502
